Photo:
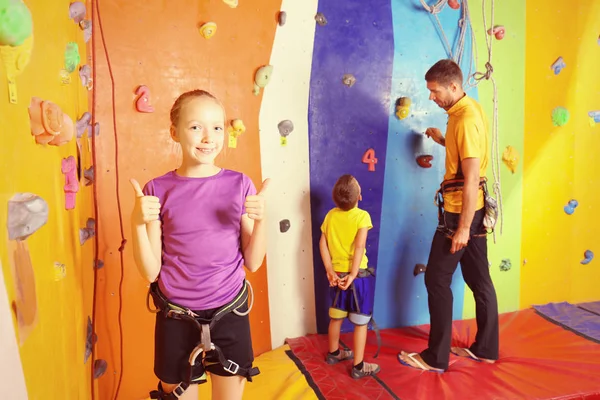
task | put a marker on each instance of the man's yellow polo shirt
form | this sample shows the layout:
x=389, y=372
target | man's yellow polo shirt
x=340, y=228
x=467, y=136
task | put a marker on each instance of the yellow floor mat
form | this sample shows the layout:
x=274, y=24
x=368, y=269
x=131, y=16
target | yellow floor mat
x=279, y=379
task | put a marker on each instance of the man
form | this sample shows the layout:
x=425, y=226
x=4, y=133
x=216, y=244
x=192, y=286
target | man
x=460, y=236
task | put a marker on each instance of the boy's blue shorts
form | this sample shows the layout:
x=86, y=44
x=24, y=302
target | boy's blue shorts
x=356, y=302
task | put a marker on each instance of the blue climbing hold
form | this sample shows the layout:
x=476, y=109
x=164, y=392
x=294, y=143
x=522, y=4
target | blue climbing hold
x=588, y=256
x=570, y=207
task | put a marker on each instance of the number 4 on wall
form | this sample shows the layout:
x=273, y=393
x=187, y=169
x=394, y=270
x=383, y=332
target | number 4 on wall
x=369, y=158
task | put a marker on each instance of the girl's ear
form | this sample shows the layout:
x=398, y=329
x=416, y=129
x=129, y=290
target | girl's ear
x=173, y=132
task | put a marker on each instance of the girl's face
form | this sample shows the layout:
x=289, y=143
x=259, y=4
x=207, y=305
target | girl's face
x=200, y=130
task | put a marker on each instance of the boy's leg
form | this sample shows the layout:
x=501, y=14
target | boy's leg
x=335, y=326
x=226, y=387
x=362, y=296
x=476, y=272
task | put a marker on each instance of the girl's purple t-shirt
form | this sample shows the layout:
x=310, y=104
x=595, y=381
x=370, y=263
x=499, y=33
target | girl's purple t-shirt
x=202, y=260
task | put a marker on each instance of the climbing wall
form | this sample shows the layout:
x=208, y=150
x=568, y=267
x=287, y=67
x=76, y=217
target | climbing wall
x=45, y=201
x=161, y=46
x=560, y=160
x=351, y=125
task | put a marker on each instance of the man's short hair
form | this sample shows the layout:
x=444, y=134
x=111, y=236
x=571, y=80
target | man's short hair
x=345, y=192
x=445, y=72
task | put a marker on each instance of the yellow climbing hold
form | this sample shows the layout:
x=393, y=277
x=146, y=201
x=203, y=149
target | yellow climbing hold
x=510, y=157
x=15, y=59
x=403, y=107
x=208, y=30
x=236, y=129
x=231, y=3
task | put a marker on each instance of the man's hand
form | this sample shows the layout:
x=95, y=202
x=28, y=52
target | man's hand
x=436, y=135
x=459, y=240
x=346, y=281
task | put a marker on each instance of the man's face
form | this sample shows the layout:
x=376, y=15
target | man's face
x=443, y=96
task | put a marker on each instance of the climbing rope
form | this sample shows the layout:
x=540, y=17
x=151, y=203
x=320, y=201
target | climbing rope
x=474, y=78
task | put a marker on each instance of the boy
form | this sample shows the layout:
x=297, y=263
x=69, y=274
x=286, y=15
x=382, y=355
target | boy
x=342, y=245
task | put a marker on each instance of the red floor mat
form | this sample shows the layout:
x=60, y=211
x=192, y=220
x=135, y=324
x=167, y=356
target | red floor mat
x=538, y=360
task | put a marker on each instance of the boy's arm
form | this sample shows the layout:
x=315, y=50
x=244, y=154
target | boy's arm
x=325, y=255
x=147, y=249
x=360, y=243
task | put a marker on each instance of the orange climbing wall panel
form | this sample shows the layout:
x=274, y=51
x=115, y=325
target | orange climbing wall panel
x=560, y=163
x=156, y=43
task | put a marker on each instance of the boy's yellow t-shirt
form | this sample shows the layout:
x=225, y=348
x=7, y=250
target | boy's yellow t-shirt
x=466, y=137
x=340, y=228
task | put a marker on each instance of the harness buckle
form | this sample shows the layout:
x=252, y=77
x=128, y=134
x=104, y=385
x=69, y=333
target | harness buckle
x=229, y=368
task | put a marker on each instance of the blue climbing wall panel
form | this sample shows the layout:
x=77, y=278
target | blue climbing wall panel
x=409, y=217
x=388, y=46
x=344, y=122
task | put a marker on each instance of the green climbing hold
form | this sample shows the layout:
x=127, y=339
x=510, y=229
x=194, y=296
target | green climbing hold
x=72, y=57
x=505, y=265
x=16, y=24
x=560, y=116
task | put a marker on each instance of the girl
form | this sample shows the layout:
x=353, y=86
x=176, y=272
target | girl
x=194, y=229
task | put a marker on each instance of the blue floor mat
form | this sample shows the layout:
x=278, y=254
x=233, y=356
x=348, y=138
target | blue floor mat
x=594, y=307
x=574, y=318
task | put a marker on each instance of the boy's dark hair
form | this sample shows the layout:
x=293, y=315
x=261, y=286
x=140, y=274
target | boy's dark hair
x=445, y=72
x=345, y=192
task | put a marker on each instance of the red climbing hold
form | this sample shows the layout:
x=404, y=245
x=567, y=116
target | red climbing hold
x=142, y=104
x=424, y=161
x=454, y=4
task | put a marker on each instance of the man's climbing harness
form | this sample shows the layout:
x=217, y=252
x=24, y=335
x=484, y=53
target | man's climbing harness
x=473, y=79
x=356, y=317
x=205, y=346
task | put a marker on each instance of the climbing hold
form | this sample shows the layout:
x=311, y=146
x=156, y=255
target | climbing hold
x=49, y=124
x=65, y=77
x=403, y=107
x=285, y=127
x=72, y=57
x=15, y=60
x=424, y=161
x=85, y=74
x=587, y=257
x=349, y=80
x=99, y=264
x=284, y=225
x=262, y=78
x=60, y=271
x=570, y=207
x=69, y=169
x=236, y=129
x=558, y=65
x=369, y=159
x=88, y=175
x=83, y=123
x=498, y=31
x=91, y=339
x=231, y=3
x=595, y=116
x=281, y=18
x=454, y=4
x=419, y=269
x=510, y=157
x=320, y=18
x=86, y=27
x=27, y=213
x=142, y=103
x=16, y=24
x=505, y=265
x=560, y=116
x=88, y=232
x=77, y=11
x=25, y=303
x=208, y=30
x=99, y=368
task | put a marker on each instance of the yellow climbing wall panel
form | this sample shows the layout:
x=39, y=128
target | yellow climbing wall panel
x=560, y=162
x=48, y=276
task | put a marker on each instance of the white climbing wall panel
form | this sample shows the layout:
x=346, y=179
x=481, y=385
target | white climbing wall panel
x=290, y=270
